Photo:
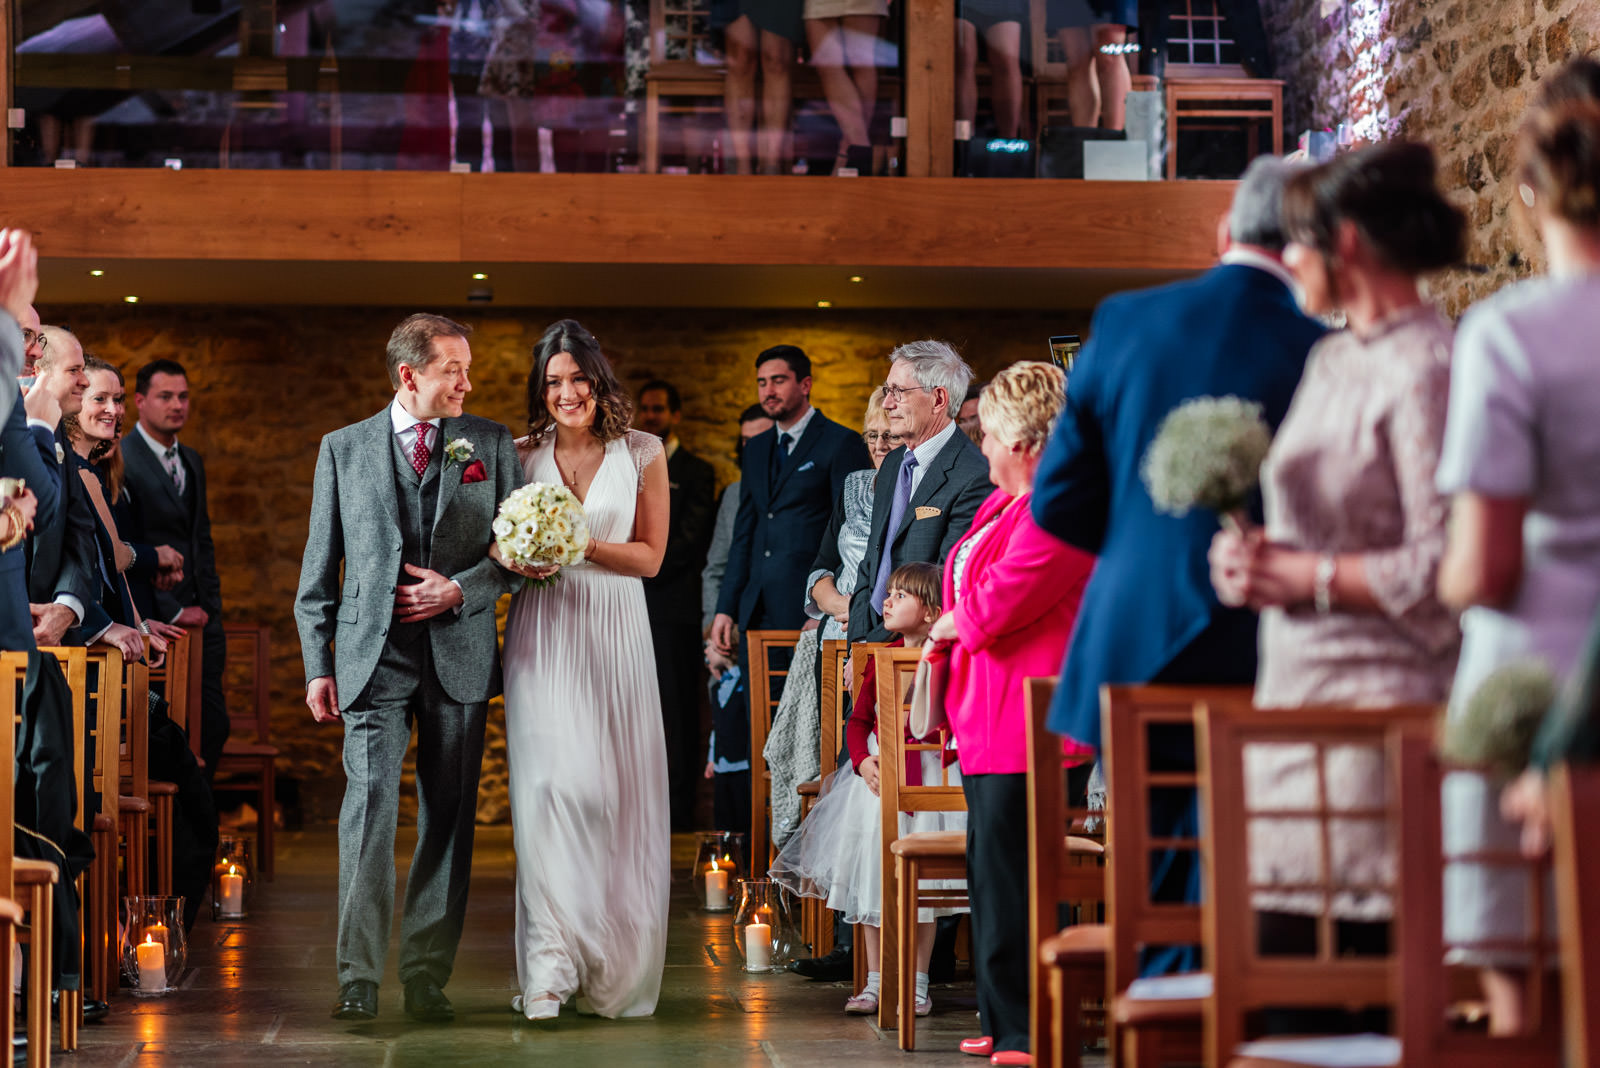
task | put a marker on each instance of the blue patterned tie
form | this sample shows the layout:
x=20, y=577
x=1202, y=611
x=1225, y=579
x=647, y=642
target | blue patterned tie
x=902, y=498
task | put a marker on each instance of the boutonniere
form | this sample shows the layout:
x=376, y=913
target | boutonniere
x=460, y=450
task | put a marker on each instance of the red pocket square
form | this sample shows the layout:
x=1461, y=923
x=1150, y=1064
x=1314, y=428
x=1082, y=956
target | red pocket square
x=474, y=473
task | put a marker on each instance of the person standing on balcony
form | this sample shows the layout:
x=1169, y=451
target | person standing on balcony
x=761, y=39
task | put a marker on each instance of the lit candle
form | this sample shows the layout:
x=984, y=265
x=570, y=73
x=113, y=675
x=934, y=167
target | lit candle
x=152, y=966
x=157, y=932
x=232, y=893
x=716, y=887
x=758, y=947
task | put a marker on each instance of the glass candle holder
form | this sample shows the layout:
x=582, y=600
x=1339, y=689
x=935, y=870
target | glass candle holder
x=232, y=879
x=154, y=949
x=763, y=931
x=718, y=867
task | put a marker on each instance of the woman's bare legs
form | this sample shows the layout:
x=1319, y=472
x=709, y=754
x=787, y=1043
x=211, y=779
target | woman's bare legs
x=861, y=41
x=739, y=90
x=777, y=94
x=1083, y=83
x=1005, y=77
x=830, y=58
x=1115, y=77
x=1504, y=991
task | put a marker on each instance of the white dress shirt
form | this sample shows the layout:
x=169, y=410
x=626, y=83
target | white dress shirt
x=405, y=425
x=926, y=452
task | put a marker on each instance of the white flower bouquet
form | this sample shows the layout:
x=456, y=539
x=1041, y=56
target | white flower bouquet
x=1207, y=453
x=541, y=525
x=1496, y=727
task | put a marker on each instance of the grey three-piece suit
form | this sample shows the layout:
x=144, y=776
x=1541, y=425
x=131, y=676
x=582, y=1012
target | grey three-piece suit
x=371, y=512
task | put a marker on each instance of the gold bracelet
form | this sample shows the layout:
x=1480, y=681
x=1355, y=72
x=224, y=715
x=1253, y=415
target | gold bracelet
x=19, y=526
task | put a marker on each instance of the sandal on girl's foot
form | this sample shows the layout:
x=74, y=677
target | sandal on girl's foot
x=863, y=1004
x=924, y=1005
x=977, y=1047
x=546, y=1008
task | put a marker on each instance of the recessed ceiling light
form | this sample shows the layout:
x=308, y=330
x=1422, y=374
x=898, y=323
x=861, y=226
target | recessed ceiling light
x=478, y=276
x=824, y=303
x=131, y=300
x=855, y=278
x=96, y=273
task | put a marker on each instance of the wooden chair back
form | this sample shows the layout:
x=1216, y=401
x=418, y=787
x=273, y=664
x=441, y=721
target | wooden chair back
x=835, y=705
x=133, y=751
x=75, y=666
x=175, y=666
x=1060, y=875
x=1255, y=807
x=1140, y=725
x=1575, y=794
x=763, y=697
x=247, y=681
x=1427, y=1031
x=103, y=723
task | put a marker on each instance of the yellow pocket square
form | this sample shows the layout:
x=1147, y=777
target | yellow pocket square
x=927, y=512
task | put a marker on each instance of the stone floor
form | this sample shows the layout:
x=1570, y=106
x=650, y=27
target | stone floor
x=258, y=992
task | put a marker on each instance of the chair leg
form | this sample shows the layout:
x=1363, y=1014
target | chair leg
x=265, y=824
x=889, y=950
x=906, y=922
x=42, y=921
x=858, y=957
x=163, y=817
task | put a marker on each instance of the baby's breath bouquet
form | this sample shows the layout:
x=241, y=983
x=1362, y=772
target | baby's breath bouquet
x=541, y=526
x=1497, y=726
x=1207, y=453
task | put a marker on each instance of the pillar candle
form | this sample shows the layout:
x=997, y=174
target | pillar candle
x=716, y=889
x=758, y=947
x=157, y=932
x=152, y=967
x=232, y=894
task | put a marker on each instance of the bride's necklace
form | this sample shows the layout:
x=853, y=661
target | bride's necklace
x=570, y=472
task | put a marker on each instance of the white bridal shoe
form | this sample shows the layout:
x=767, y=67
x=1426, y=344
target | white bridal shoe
x=537, y=1009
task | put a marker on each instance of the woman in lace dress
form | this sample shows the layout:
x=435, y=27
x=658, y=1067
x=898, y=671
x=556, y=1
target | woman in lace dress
x=1343, y=574
x=588, y=766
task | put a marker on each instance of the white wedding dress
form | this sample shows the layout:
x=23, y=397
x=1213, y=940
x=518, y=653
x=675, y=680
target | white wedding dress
x=588, y=765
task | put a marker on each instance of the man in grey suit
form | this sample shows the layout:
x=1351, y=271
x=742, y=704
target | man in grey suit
x=929, y=489
x=404, y=501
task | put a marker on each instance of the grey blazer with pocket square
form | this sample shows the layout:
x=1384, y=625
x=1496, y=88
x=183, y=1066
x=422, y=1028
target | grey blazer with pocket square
x=344, y=622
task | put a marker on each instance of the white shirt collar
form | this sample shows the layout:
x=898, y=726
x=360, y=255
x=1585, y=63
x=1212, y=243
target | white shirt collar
x=155, y=446
x=671, y=445
x=930, y=448
x=798, y=427
x=404, y=420
x=1244, y=257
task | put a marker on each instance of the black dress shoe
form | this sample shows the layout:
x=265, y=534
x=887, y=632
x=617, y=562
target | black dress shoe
x=19, y=1049
x=836, y=967
x=426, y=1003
x=358, y=1000
x=95, y=1011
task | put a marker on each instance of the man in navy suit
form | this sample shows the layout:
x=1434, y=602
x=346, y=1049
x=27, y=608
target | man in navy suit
x=27, y=452
x=1149, y=614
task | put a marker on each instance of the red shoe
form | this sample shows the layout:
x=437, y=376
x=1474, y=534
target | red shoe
x=977, y=1047
x=1012, y=1056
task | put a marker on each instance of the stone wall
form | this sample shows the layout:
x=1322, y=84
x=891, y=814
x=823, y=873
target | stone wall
x=1453, y=73
x=269, y=382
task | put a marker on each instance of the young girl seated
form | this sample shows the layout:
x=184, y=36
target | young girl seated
x=836, y=855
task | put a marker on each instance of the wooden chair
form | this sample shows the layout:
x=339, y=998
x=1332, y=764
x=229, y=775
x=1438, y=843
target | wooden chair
x=13, y=671
x=1574, y=796
x=162, y=794
x=912, y=857
x=861, y=654
x=816, y=921
x=1216, y=96
x=763, y=700
x=133, y=770
x=103, y=717
x=1231, y=739
x=1066, y=870
x=248, y=760
x=1428, y=1033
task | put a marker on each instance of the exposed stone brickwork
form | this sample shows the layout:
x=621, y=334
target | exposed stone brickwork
x=269, y=382
x=1454, y=73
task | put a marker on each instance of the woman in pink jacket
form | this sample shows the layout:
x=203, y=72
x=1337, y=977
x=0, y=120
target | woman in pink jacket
x=1014, y=591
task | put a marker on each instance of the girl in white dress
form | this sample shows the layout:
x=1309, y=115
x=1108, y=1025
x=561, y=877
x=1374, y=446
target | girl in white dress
x=588, y=769
x=837, y=853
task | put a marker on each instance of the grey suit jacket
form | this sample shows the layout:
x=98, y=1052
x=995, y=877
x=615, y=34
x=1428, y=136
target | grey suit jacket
x=344, y=621
x=954, y=486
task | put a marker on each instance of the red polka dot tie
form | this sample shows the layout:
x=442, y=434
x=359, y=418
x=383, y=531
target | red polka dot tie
x=420, y=451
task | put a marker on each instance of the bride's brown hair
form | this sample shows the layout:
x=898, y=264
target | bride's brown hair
x=612, y=407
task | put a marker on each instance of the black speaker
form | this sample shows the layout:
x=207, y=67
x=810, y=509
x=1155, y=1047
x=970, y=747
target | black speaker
x=1061, y=148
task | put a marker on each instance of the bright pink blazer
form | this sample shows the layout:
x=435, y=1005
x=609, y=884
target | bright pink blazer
x=1020, y=595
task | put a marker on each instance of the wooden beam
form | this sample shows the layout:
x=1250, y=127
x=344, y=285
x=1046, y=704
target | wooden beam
x=930, y=79
x=351, y=216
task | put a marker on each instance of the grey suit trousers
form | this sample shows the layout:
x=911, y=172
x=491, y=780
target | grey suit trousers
x=377, y=731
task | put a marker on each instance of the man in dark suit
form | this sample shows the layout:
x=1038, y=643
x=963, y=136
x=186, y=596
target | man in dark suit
x=1149, y=613
x=168, y=479
x=27, y=452
x=672, y=597
x=929, y=489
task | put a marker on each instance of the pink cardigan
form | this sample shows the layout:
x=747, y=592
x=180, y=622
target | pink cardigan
x=1020, y=599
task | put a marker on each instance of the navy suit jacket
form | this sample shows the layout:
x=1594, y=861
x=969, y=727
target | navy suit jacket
x=1235, y=331
x=28, y=453
x=62, y=556
x=780, y=522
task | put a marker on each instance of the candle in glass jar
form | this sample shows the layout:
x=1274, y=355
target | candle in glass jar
x=758, y=947
x=716, y=887
x=152, y=965
x=232, y=893
x=156, y=932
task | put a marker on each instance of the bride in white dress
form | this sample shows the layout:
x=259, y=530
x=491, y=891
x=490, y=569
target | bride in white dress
x=588, y=765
